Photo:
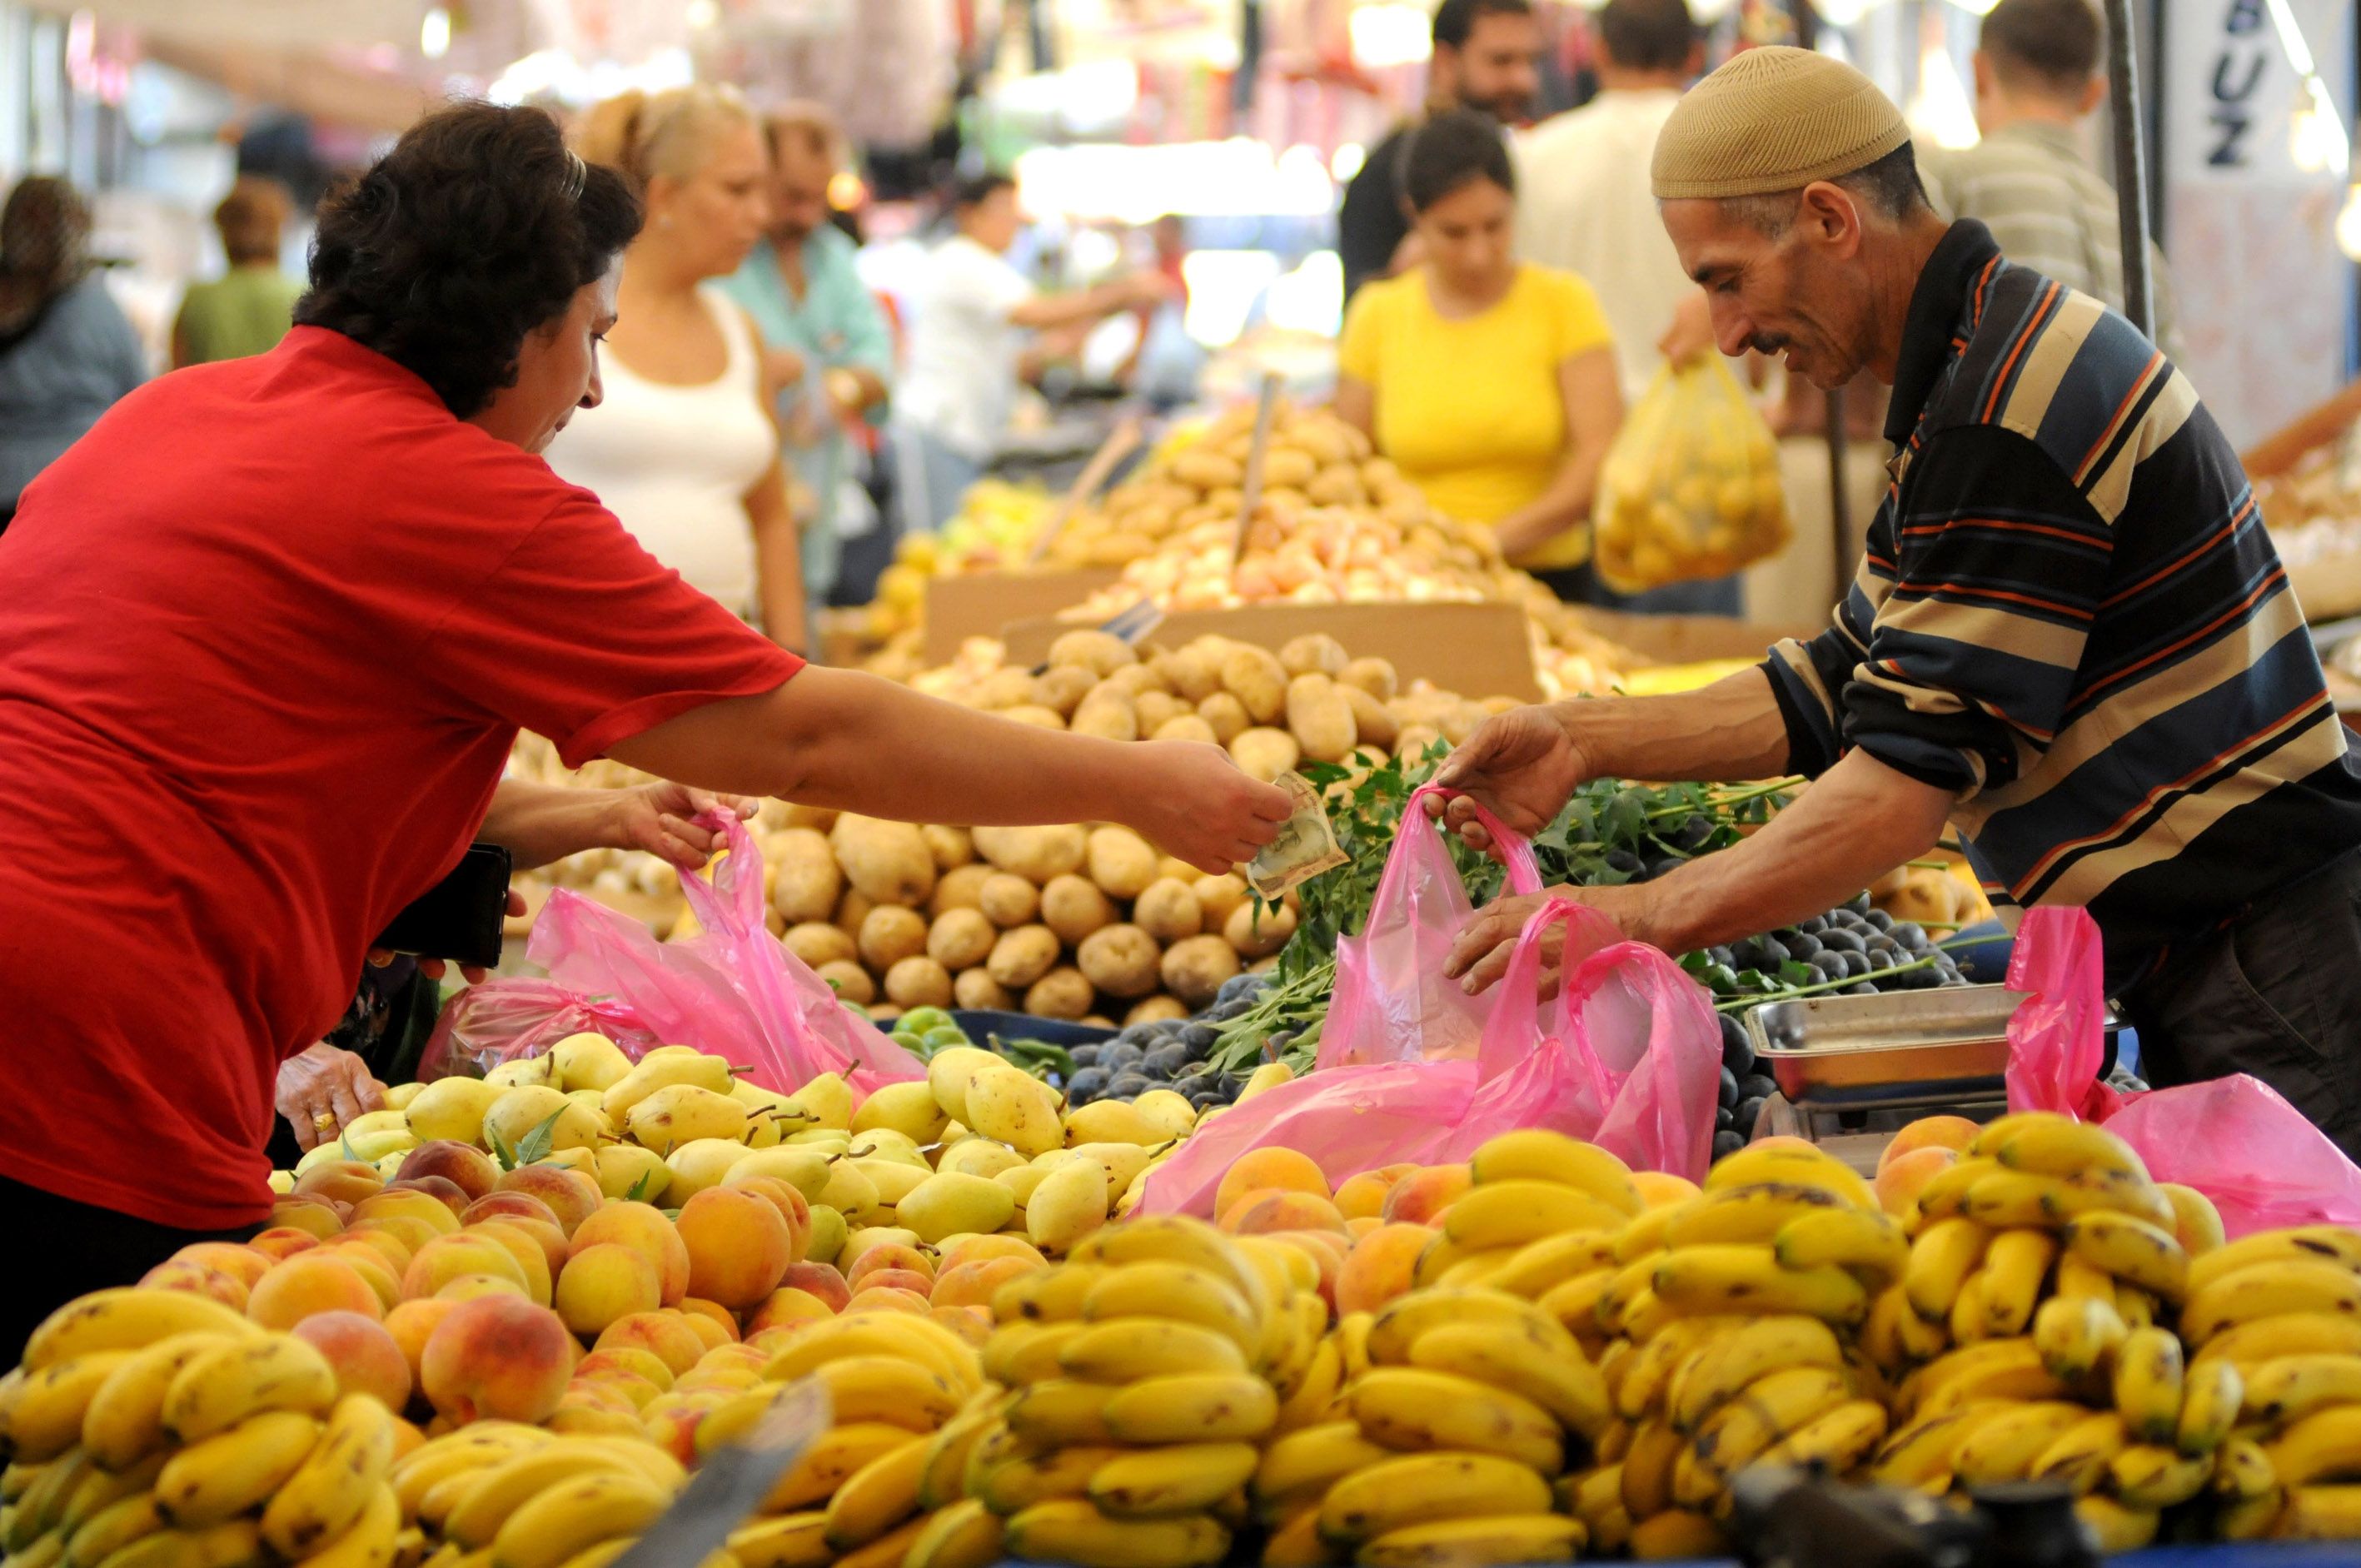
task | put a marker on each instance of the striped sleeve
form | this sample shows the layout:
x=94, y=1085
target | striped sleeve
x=2000, y=564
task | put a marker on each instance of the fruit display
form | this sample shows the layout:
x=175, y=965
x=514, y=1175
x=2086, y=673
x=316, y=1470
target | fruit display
x=1537, y=1355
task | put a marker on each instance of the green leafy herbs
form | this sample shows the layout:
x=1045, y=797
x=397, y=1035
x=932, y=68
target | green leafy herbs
x=639, y=1188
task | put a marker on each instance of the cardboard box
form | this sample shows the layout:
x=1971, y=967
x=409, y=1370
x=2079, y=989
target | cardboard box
x=1476, y=650
x=978, y=604
x=1690, y=639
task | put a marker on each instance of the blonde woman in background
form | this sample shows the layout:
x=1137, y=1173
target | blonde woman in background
x=249, y=308
x=684, y=448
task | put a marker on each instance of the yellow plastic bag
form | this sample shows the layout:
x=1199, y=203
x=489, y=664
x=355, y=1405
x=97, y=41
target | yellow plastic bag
x=1690, y=488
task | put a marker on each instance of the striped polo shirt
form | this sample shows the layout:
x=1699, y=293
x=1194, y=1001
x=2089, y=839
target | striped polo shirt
x=2068, y=614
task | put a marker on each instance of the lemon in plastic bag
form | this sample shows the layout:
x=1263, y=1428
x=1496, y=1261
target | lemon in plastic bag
x=1690, y=488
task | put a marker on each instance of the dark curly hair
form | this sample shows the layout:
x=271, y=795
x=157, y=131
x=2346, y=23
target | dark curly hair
x=477, y=228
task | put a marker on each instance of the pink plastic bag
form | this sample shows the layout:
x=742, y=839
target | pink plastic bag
x=731, y=991
x=508, y=1020
x=2234, y=1139
x=1627, y=1055
x=1392, y=1001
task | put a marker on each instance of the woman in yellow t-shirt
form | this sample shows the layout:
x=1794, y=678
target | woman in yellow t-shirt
x=1490, y=383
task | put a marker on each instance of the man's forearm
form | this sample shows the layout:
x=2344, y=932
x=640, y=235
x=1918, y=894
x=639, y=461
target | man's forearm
x=1856, y=822
x=540, y=823
x=839, y=739
x=1730, y=729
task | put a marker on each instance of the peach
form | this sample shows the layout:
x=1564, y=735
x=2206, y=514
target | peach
x=820, y=1279
x=792, y=1208
x=606, y=1281
x=710, y=1318
x=468, y=1167
x=516, y=1205
x=733, y=1358
x=526, y=1250
x=310, y=1213
x=786, y=1306
x=644, y=1227
x=1659, y=1188
x=908, y=1280
x=972, y=1284
x=674, y=1427
x=407, y=1439
x=542, y=1233
x=233, y=1258
x=661, y=1333
x=772, y=1338
x=413, y=1324
x=738, y=1246
x=411, y=1230
x=1327, y=1250
x=1420, y=1197
x=578, y=1417
x=347, y=1179
x=624, y=1360
x=1380, y=1267
x=1953, y=1132
x=368, y=1360
x=390, y=1249
x=369, y=1264
x=498, y=1358
x=889, y=1298
x=972, y=1324
x=1900, y=1182
x=446, y=1259
x=1265, y=1212
x=1360, y=1227
x=1260, y=1170
x=571, y=1196
x=1362, y=1197
x=408, y=1203
x=467, y=1286
x=281, y=1243
x=187, y=1274
x=969, y=1249
x=890, y=1255
x=449, y=1193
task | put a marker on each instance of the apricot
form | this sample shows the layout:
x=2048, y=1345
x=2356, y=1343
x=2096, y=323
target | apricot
x=790, y=1204
x=390, y=1249
x=641, y=1226
x=282, y=1242
x=313, y=1215
x=1420, y=1197
x=467, y=1286
x=572, y=1197
x=1659, y=1188
x=349, y=1180
x=818, y=1279
x=972, y=1284
x=1380, y=1267
x=509, y=1205
x=710, y=1318
x=367, y=1358
x=367, y=1262
x=1900, y=1182
x=442, y=1188
x=408, y=1202
x=464, y=1165
x=738, y=1246
x=972, y=1324
x=785, y=1306
x=606, y=1281
x=971, y=1249
x=413, y=1324
x=408, y=1230
x=498, y=1358
x=889, y=1298
x=624, y=1360
x=543, y=1233
x=661, y=1333
x=1266, y=1170
x=1953, y=1132
x=890, y=1255
x=1268, y=1212
x=1362, y=1197
x=446, y=1259
x=187, y=1274
x=526, y=1250
x=234, y=1258
x=1360, y=1227
x=908, y=1280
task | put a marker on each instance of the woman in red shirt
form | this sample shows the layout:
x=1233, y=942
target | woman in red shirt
x=270, y=630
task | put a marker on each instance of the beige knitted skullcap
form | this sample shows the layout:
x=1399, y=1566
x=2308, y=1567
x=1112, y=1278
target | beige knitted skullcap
x=1774, y=119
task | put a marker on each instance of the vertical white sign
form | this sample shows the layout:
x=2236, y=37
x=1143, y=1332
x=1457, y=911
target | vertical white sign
x=2264, y=294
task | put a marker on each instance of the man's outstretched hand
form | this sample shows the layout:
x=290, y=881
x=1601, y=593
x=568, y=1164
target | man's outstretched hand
x=1521, y=766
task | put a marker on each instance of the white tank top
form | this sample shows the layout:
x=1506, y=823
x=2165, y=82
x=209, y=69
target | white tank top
x=674, y=463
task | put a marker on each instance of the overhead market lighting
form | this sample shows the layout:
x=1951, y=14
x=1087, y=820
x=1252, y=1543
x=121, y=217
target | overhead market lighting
x=1845, y=13
x=434, y=33
x=1347, y=161
x=1940, y=109
x=1391, y=33
x=2348, y=225
x=2318, y=141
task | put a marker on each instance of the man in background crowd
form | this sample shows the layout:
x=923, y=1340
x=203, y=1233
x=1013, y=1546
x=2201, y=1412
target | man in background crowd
x=247, y=309
x=1487, y=57
x=831, y=349
x=1583, y=179
x=2038, y=77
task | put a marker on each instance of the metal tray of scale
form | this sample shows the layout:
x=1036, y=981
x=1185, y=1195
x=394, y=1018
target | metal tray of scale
x=1903, y=1047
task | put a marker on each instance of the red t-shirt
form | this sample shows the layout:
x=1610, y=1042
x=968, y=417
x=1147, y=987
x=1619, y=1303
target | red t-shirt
x=265, y=635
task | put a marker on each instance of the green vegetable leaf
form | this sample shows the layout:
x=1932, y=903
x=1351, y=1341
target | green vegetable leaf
x=639, y=1188
x=1320, y=775
x=533, y=1147
x=345, y=1140
x=501, y=1150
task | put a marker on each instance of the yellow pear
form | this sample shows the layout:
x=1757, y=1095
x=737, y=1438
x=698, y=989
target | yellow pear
x=623, y=1167
x=521, y=1072
x=827, y=1140
x=1015, y=1108
x=850, y=1191
x=825, y=1102
x=1023, y=1182
x=947, y=1072
x=804, y=1169
x=947, y=1204
x=452, y=1108
x=891, y=1178
x=588, y=1061
x=389, y=1166
x=1068, y=1206
x=978, y=1157
x=1112, y=1122
x=882, y=1143
x=1171, y=1115
x=661, y=1069
x=909, y=1109
x=581, y=1157
x=697, y=1165
x=398, y=1096
x=1124, y=1162
x=518, y=1112
x=282, y=1182
x=828, y=1232
x=681, y=1113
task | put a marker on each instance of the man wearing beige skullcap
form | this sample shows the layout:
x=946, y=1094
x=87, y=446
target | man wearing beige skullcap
x=2069, y=639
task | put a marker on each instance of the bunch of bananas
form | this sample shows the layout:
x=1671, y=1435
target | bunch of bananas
x=2029, y=1329
x=1730, y=1315
x=2279, y=1315
x=1140, y=1377
x=494, y=1493
x=157, y=1427
x=899, y=1386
